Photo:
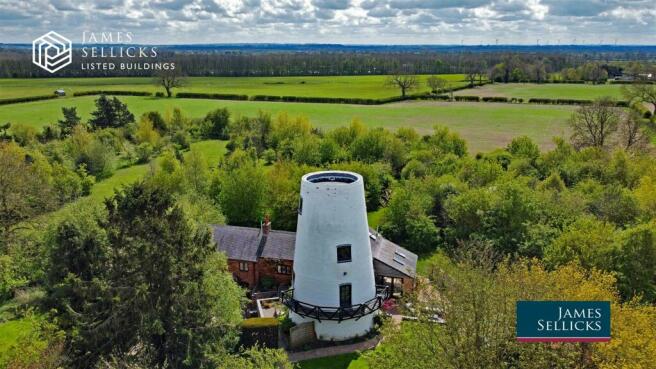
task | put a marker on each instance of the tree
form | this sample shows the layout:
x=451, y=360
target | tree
x=110, y=114
x=477, y=302
x=636, y=267
x=215, y=124
x=242, y=194
x=25, y=189
x=524, y=147
x=255, y=358
x=169, y=79
x=632, y=134
x=70, y=121
x=640, y=92
x=593, y=124
x=436, y=84
x=143, y=281
x=588, y=241
x=405, y=82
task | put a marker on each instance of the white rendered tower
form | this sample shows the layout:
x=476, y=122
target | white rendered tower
x=333, y=270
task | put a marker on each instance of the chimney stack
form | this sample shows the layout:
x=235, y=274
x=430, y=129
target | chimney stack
x=266, y=225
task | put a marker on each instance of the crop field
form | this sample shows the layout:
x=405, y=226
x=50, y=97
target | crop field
x=485, y=126
x=330, y=86
x=547, y=90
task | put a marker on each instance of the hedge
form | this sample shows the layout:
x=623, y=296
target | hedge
x=632, y=82
x=117, y=93
x=26, y=99
x=559, y=101
x=620, y=103
x=495, y=99
x=333, y=100
x=254, y=323
x=199, y=95
x=466, y=98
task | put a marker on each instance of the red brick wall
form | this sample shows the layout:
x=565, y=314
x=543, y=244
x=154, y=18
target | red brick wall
x=268, y=267
x=264, y=267
x=248, y=277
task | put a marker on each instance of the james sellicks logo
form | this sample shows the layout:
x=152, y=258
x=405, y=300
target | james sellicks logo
x=52, y=51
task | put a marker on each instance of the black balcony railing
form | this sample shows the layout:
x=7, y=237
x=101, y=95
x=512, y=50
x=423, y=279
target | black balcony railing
x=335, y=313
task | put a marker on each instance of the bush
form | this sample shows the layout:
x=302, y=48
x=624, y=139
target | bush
x=181, y=138
x=159, y=94
x=144, y=152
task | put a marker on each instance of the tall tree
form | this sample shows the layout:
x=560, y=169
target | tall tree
x=70, y=121
x=146, y=282
x=110, y=113
x=593, y=124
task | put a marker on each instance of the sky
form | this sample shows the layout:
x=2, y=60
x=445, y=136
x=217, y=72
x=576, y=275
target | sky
x=470, y=22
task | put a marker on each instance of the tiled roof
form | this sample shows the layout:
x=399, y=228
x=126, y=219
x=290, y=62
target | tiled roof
x=239, y=243
x=393, y=255
x=244, y=243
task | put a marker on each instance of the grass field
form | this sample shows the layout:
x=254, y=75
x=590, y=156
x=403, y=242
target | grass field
x=329, y=86
x=485, y=126
x=548, y=90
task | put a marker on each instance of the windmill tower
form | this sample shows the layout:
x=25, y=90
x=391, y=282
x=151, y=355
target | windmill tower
x=333, y=282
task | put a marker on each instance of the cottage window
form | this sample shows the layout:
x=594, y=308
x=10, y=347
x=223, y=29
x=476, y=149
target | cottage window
x=243, y=266
x=284, y=269
x=343, y=253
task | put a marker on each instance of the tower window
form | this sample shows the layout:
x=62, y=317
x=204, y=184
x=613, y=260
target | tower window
x=243, y=266
x=345, y=295
x=343, y=253
x=300, y=206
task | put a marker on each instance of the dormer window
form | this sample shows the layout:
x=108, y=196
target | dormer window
x=344, y=253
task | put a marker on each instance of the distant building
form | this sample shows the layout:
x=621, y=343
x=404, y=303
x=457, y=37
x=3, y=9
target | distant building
x=60, y=92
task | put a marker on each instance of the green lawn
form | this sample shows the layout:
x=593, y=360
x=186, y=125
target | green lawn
x=328, y=86
x=485, y=126
x=346, y=361
x=548, y=90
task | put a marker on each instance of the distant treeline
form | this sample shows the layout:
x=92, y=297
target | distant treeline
x=17, y=63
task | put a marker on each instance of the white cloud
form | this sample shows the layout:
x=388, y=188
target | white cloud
x=336, y=21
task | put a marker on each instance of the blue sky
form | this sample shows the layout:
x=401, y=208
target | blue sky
x=338, y=21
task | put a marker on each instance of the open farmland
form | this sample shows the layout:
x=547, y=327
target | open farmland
x=546, y=91
x=328, y=86
x=485, y=126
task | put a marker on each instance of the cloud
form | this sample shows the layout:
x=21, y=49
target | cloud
x=337, y=21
